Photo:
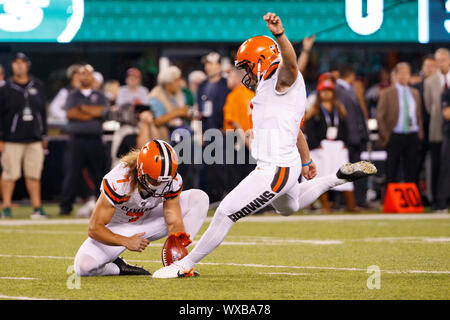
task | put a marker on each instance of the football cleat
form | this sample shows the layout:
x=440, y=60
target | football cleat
x=129, y=270
x=174, y=271
x=357, y=170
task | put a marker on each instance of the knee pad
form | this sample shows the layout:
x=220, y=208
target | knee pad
x=200, y=198
x=85, y=265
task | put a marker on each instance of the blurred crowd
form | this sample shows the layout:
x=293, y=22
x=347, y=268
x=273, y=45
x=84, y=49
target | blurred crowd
x=405, y=116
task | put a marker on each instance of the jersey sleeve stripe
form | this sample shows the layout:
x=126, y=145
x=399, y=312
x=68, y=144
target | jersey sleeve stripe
x=113, y=195
x=171, y=195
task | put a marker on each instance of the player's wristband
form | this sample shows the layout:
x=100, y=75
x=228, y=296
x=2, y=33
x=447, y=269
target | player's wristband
x=307, y=164
x=278, y=34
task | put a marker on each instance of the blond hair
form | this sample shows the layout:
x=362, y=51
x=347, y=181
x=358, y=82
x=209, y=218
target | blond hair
x=130, y=160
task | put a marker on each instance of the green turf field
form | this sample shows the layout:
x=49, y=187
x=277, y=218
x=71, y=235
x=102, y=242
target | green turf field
x=263, y=257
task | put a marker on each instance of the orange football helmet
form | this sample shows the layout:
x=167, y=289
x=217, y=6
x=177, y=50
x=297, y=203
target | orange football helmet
x=260, y=57
x=157, y=163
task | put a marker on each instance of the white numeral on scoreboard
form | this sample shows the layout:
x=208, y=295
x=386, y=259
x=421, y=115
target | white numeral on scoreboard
x=364, y=25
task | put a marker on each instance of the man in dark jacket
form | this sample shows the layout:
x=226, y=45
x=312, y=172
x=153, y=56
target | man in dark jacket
x=23, y=126
x=85, y=107
x=356, y=125
x=443, y=186
x=211, y=96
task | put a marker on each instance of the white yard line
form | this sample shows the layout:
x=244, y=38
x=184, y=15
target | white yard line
x=23, y=222
x=263, y=218
x=21, y=298
x=347, y=217
x=64, y=232
x=34, y=257
x=18, y=278
x=245, y=265
x=268, y=241
x=286, y=273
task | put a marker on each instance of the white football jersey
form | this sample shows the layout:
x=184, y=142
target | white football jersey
x=134, y=207
x=276, y=118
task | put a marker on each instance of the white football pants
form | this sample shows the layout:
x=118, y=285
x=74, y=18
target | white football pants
x=267, y=184
x=94, y=258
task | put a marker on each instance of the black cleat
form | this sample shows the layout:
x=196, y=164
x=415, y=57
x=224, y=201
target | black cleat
x=357, y=170
x=129, y=270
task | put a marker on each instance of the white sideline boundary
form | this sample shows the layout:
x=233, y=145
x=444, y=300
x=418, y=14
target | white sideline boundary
x=240, y=265
x=267, y=241
x=18, y=278
x=21, y=298
x=263, y=218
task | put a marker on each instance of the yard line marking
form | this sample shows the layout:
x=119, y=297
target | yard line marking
x=263, y=218
x=34, y=257
x=18, y=278
x=304, y=267
x=56, y=221
x=21, y=298
x=42, y=231
x=347, y=217
x=286, y=273
x=270, y=241
x=248, y=265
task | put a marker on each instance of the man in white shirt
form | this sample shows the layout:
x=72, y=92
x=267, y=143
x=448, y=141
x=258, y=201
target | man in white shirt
x=434, y=86
x=133, y=92
x=56, y=108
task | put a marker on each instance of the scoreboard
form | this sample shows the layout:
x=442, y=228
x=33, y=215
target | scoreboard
x=411, y=21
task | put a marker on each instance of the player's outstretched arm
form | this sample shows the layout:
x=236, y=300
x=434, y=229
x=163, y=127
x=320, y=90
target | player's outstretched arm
x=101, y=216
x=288, y=69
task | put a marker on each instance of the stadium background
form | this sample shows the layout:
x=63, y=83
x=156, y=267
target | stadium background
x=304, y=256
x=116, y=35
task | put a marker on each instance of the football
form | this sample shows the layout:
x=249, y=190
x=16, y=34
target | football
x=172, y=250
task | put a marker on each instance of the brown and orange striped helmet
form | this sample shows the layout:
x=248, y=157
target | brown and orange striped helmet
x=157, y=162
x=259, y=56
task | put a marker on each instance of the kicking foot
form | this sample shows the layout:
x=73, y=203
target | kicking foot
x=174, y=271
x=129, y=270
x=357, y=170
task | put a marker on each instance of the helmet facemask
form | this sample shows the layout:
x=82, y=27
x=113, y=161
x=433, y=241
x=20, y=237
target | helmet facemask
x=155, y=188
x=249, y=80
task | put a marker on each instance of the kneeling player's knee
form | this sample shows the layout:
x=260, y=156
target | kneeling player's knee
x=201, y=200
x=201, y=197
x=85, y=265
